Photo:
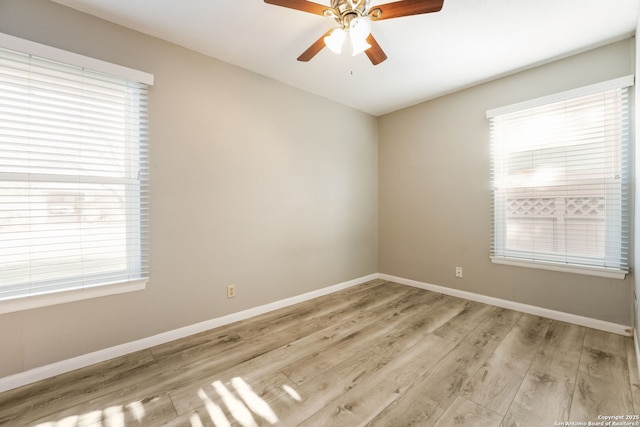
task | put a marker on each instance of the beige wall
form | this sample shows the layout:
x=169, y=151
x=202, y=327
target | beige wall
x=434, y=192
x=248, y=186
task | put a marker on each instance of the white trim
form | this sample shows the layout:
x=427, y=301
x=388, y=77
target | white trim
x=68, y=365
x=609, y=273
x=618, y=83
x=35, y=301
x=43, y=51
x=512, y=305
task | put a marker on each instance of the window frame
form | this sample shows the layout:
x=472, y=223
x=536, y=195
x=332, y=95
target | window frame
x=503, y=255
x=92, y=289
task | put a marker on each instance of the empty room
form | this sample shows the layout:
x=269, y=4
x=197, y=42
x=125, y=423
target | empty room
x=330, y=212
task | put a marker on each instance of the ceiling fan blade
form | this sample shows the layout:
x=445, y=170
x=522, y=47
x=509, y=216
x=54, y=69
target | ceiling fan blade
x=314, y=48
x=405, y=8
x=303, y=5
x=375, y=53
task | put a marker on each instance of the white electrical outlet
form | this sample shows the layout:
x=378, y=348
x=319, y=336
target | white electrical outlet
x=458, y=272
x=231, y=291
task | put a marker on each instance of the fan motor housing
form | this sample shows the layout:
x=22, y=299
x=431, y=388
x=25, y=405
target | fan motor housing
x=350, y=7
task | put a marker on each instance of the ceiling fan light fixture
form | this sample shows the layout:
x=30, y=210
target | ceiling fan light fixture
x=360, y=27
x=335, y=40
x=354, y=18
x=358, y=45
x=359, y=30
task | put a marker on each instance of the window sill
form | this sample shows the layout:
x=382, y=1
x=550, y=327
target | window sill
x=609, y=273
x=37, y=301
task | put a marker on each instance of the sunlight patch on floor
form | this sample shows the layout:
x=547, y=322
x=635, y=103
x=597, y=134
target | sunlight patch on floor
x=239, y=404
x=112, y=416
x=255, y=402
x=196, y=421
x=237, y=408
x=291, y=392
x=215, y=412
x=137, y=410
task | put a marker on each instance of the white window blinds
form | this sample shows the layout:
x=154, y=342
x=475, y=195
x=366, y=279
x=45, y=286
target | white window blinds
x=560, y=173
x=73, y=177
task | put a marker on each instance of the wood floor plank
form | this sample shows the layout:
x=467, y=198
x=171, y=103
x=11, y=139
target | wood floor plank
x=559, y=353
x=69, y=390
x=493, y=328
x=634, y=378
x=442, y=308
x=207, y=338
x=359, y=405
x=497, y=381
x=464, y=322
x=463, y=412
x=271, y=361
x=172, y=372
x=328, y=387
x=604, y=341
x=550, y=381
x=149, y=411
x=363, y=295
x=419, y=325
x=105, y=371
x=389, y=321
x=604, y=365
x=204, y=369
x=198, y=418
x=603, y=383
x=336, y=307
x=229, y=353
x=594, y=396
x=290, y=354
x=376, y=354
x=226, y=352
x=541, y=400
x=269, y=386
x=241, y=401
x=448, y=377
x=420, y=411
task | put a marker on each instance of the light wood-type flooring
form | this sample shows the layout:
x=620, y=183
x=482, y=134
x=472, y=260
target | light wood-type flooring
x=377, y=354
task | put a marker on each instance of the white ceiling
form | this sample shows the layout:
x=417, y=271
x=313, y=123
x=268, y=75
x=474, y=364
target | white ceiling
x=468, y=42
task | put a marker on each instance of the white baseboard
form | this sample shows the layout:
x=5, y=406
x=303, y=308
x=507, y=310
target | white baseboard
x=512, y=305
x=68, y=365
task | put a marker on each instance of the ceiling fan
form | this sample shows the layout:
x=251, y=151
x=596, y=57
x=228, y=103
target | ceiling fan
x=354, y=18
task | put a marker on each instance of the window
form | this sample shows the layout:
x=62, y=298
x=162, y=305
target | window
x=73, y=175
x=560, y=178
